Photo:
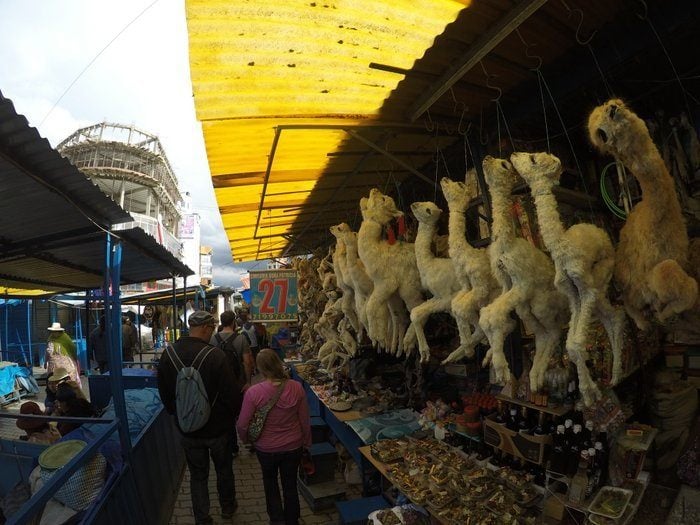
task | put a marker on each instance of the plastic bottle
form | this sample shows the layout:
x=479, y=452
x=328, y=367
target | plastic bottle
x=579, y=483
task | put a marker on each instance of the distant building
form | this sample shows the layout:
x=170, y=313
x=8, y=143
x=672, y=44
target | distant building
x=130, y=165
x=205, y=266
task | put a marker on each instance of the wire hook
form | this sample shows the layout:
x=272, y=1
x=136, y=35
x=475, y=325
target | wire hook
x=461, y=119
x=578, y=28
x=489, y=85
x=430, y=127
x=527, y=50
x=645, y=10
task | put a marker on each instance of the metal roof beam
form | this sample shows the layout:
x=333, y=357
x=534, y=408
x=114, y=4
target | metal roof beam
x=384, y=152
x=481, y=47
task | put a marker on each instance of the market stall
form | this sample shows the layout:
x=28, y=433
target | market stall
x=505, y=209
x=70, y=242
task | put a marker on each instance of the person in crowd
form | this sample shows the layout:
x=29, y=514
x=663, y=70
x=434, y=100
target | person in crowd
x=61, y=352
x=69, y=404
x=286, y=432
x=212, y=440
x=255, y=332
x=98, y=346
x=239, y=356
x=36, y=430
x=129, y=339
x=60, y=376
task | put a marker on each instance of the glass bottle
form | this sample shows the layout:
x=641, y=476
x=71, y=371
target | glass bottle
x=602, y=458
x=587, y=434
x=557, y=459
x=574, y=450
x=541, y=427
x=592, y=468
x=512, y=421
x=579, y=482
x=498, y=418
x=524, y=426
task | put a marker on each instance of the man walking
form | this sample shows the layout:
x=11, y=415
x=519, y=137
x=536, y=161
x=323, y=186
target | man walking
x=239, y=357
x=212, y=438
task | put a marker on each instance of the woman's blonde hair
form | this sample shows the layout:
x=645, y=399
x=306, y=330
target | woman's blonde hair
x=270, y=365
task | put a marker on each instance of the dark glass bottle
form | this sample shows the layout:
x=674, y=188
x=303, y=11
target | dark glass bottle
x=592, y=472
x=568, y=428
x=557, y=459
x=512, y=421
x=499, y=417
x=587, y=434
x=575, y=448
x=601, y=453
x=524, y=425
x=541, y=427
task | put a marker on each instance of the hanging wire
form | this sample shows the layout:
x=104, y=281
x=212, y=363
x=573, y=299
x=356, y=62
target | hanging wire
x=645, y=17
x=437, y=166
x=499, y=111
x=538, y=72
x=65, y=92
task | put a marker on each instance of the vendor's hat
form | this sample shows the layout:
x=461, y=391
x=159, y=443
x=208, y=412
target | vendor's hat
x=56, y=327
x=30, y=407
x=201, y=318
x=59, y=373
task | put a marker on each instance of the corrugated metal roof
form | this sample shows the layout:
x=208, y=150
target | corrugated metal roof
x=280, y=86
x=54, y=220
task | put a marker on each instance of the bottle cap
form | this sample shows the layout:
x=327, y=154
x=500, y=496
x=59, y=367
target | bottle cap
x=591, y=452
x=560, y=429
x=513, y=411
x=577, y=428
x=589, y=424
x=568, y=423
x=584, y=454
x=598, y=445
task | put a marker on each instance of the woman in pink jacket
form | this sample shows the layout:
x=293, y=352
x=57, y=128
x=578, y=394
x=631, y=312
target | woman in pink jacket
x=286, y=432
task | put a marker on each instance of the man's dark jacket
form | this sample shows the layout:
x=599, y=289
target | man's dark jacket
x=218, y=381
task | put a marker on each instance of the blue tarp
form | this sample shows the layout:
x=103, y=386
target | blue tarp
x=7, y=379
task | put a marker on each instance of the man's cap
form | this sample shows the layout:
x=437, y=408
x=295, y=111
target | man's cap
x=201, y=318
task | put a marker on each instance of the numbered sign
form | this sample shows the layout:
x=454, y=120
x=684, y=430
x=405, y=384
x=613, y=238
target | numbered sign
x=273, y=295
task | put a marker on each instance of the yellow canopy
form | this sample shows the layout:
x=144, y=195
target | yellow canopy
x=288, y=101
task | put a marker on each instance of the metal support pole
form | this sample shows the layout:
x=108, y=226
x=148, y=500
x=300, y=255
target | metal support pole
x=174, y=308
x=113, y=330
x=6, y=346
x=29, y=332
x=87, y=331
x=138, y=322
x=185, y=328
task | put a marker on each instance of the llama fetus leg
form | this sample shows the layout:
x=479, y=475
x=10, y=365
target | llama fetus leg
x=496, y=323
x=673, y=291
x=419, y=316
x=377, y=317
x=462, y=308
x=348, y=307
x=613, y=320
x=576, y=346
x=397, y=311
x=410, y=339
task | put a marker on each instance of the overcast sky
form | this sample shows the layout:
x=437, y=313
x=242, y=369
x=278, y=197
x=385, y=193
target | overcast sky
x=142, y=78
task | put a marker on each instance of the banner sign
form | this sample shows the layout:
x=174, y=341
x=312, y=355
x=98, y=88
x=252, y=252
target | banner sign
x=273, y=295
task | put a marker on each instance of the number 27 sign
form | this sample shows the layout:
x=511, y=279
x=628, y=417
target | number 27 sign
x=273, y=295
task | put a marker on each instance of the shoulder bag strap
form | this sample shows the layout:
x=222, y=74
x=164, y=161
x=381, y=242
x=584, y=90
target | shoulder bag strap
x=219, y=339
x=276, y=397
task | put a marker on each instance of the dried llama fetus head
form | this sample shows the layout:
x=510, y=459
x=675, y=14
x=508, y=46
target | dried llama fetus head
x=537, y=169
x=426, y=212
x=499, y=175
x=455, y=193
x=380, y=208
x=339, y=230
x=613, y=128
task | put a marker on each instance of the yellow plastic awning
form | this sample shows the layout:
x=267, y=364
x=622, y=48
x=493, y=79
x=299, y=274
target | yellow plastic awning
x=277, y=86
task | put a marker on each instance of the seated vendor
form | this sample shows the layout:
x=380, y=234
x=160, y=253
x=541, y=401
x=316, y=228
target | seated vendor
x=69, y=405
x=60, y=376
x=37, y=430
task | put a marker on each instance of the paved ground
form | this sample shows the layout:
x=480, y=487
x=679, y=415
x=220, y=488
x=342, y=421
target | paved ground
x=251, y=498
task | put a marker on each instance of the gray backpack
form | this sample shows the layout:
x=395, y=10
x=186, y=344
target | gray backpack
x=191, y=400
